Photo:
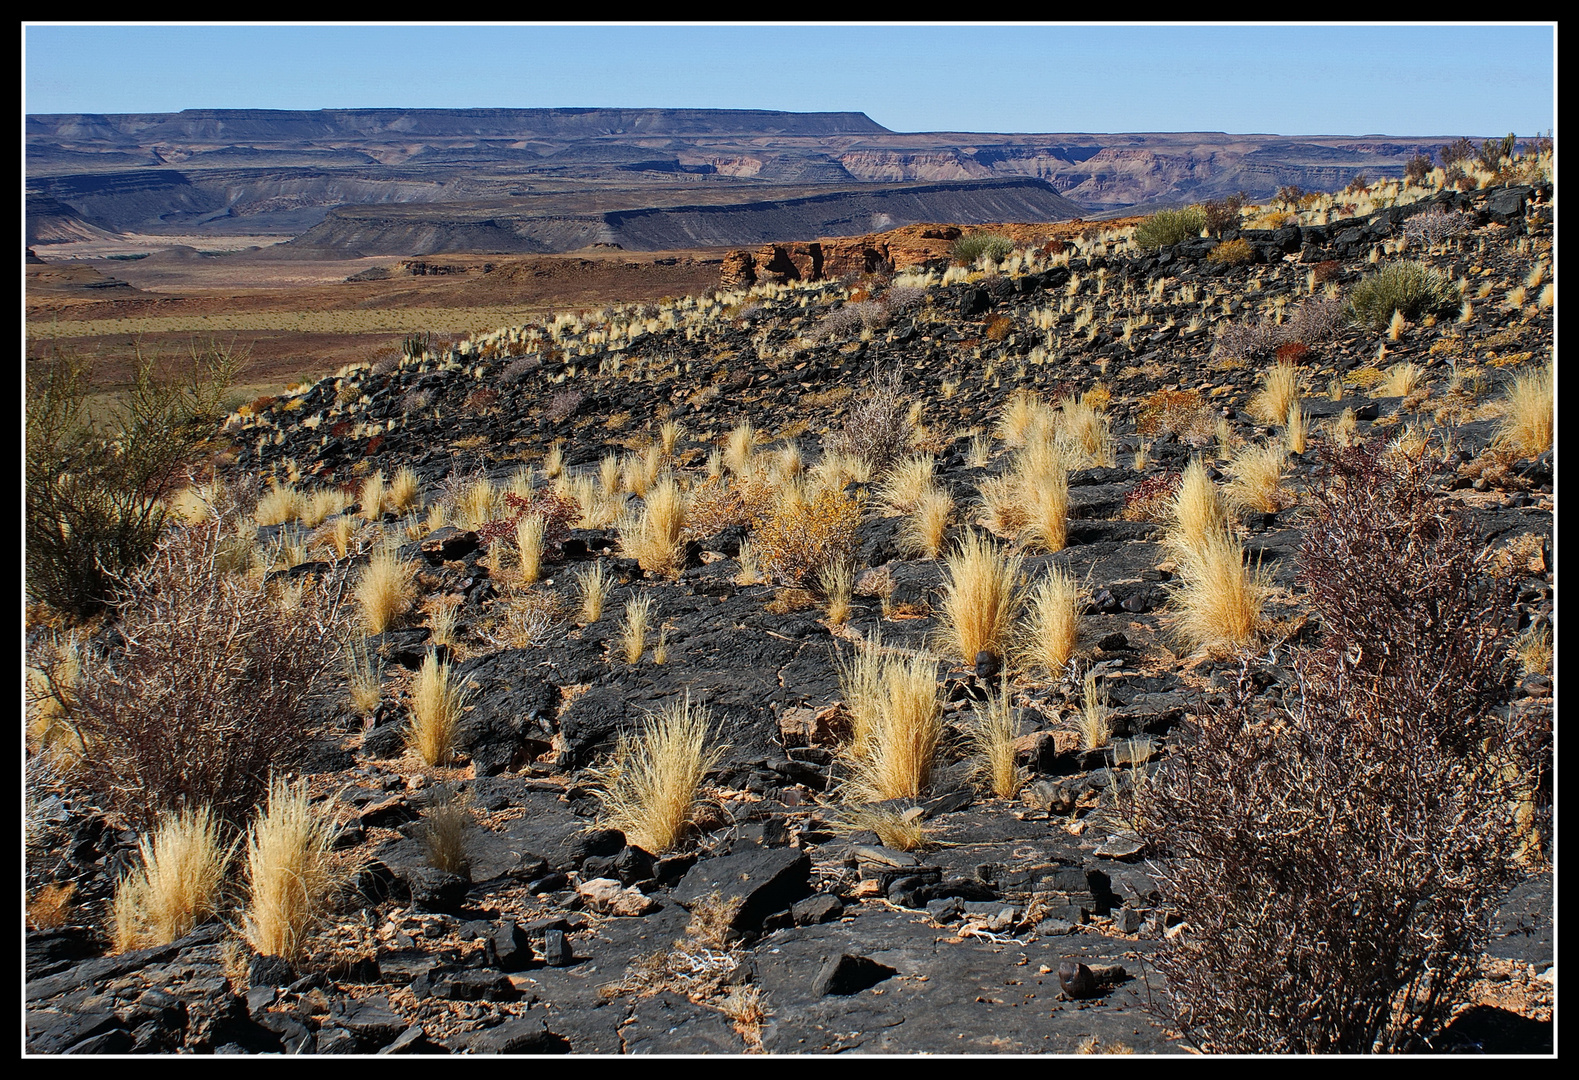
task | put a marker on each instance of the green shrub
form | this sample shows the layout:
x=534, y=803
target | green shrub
x=1167, y=227
x=1410, y=287
x=1232, y=253
x=967, y=249
x=95, y=483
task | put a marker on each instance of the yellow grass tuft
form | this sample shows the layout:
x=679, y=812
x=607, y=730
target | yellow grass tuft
x=176, y=887
x=435, y=711
x=633, y=630
x=740, y=447
x=1197, y=508
x=1257, y=476
x=444, y=830
x=981, y=598
x=990, y=734
x=651, y=787
x=403, y=491
x=594, y=584
x=1279, y=392
x=898, y=831
x=1083, y=431
x=654, y=536
x=1041, y=481
x=281, y=503
x=385, y=589
x=323, y=502
x=900, y=748
x=906, y=483
x=669, y=436
x=1401, y=380
x=1527, y=425
x=1092, y=720
x=373, y=497
x=926, y=530
x=529, y=544
x=1024, y=413
x=837, y=583
x=474, y=508
x=861, y=684
x=609, y=474
x=1051, y=632
x=1218, y=599
x=290, y=872
x=1295, y=432
x=364, y=677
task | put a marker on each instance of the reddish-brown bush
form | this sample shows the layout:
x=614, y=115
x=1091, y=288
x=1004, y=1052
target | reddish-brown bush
x=1338, y=859
x=214, y=686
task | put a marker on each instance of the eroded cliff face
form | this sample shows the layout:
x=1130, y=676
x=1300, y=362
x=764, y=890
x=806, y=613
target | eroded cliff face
x=225, y=172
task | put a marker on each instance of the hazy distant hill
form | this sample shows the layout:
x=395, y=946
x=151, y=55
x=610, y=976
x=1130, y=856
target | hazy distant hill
x=251, y=171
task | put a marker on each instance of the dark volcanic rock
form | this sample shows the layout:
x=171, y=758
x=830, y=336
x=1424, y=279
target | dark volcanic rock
x=756, y=883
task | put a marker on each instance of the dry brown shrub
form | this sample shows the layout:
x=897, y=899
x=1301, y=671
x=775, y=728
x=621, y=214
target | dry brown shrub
x=215, y=687
x=1361, y=935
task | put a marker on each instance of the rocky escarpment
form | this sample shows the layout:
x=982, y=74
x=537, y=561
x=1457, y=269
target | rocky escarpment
x=540, y=226
x=236, y=171
x=1024, y=925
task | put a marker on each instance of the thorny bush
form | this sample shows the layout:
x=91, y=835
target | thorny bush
x=95, y=486
x=556, y=511
x=212, y=687
x=878, y=426
x=1338, y=865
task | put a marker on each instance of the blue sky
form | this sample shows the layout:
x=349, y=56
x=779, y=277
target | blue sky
x=1408, y=79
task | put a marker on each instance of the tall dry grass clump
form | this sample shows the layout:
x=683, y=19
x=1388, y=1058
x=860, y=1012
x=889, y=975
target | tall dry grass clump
x=896, y=755
x=178, y=884
x=981, y=598
x=1401, y=380
x=593, y=584
x=633, y=628
x=444, y=830
x=403, y=491
x=654, y=536
x=1042, y=484
x=281, y=503
x=1024, y=413
x=374, y=495
x=906, y=483
x=290, y=873
x=436, y=704
x=1092, y=719
x=364, y=677
x=317, y=507
x=1528, y=422
x=1257, y=476
x=1218, y=598
x=990, y=735
x=1051, y=631
x=1083, y=432
x=1279, y=392
x=529, y=532
x=651, y=786
x=1198, y=511
x=925, y=531
x=740, y=448
x=385, y=589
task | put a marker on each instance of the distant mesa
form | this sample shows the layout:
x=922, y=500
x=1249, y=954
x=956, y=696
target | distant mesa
x=538, y=181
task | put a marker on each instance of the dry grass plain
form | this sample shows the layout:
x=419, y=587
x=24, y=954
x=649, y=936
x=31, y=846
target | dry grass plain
x=300, y=317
